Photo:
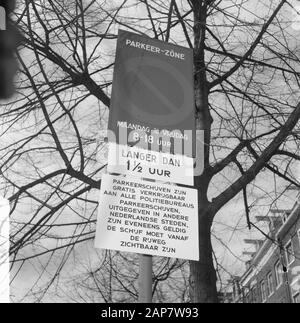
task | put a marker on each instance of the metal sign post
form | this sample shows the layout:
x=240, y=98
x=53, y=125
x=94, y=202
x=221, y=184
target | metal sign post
x=145, y=279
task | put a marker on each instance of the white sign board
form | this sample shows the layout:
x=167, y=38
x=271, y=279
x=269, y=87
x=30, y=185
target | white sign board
x=148, y=218
x=144, y=163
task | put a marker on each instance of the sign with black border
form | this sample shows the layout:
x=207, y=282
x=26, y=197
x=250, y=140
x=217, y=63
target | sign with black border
x=153, y=93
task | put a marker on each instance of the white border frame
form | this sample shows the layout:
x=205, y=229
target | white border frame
x=4, y=250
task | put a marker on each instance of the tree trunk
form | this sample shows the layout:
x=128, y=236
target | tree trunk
x=203, y=276
x=202, y=273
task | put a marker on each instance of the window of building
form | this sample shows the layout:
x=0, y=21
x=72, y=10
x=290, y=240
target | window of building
x=278, y=273
x=296, y=298
x=270, y=283
x=263, y=291
x=254, y=295
x=284, y=216
x=247, y=298
x=250, y=298
x=289, y=252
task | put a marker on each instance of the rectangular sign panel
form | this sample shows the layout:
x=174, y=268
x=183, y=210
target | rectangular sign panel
x=152, y=102
x=150, y=164
x=148, y=218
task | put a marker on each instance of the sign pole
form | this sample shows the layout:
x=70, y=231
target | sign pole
x=145, y=279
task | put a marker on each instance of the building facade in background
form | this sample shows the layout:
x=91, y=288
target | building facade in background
x=273, y=273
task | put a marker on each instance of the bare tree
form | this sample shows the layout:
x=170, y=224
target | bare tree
x=113, y=278
x=246, y=60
